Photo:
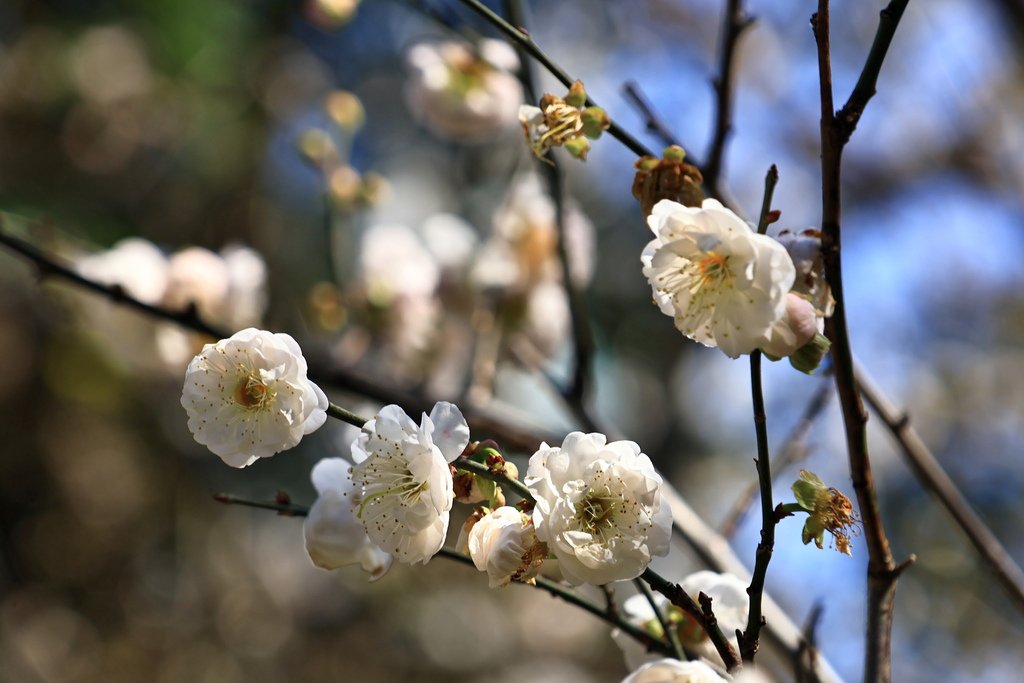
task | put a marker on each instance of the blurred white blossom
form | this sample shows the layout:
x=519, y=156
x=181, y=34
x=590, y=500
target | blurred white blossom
x=724, y=284
x=248, y=396
x=599, y=508
x=334, y=537
x=463, y=93
x=674, y=671
x=404, y=481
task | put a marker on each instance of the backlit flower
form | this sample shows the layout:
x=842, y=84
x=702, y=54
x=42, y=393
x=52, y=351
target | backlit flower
x=599, y=508
x=334, y=537
x=674, y=671
x=248, y=396
x=504, y=544
x=403, y=479
x=724, y=284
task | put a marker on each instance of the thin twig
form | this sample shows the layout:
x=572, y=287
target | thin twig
x=703, y=614
x=660, y=614
x=791, y=452
x=835, y=131
x=734, y=21
x=641, y=636
x=652, y=121
x=524, y=40
x=749, y=639
x=934, y=479
x=500, y=427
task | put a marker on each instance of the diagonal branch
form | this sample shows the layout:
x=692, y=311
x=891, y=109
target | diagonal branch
x=525, y=41
x=934, y=479
x=608, y=614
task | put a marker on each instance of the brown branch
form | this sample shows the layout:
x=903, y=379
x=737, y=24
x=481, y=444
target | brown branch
x=516, y=437
x=749, y=639
x=835, y=131
x=734, y=21
x=607, y=615
x=652, y=122
x=703, y=614
x=935, y=480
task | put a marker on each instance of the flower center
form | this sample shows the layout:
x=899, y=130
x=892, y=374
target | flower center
x=596, y=512
x=713, y=269
x=252, y=392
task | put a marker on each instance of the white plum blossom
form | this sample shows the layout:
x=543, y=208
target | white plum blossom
x=404, y=481
x=599, y=508
x=724, y=284
x=504, y=544
x=334, y=537
x=248, y=396
x=464, y=93
x=674, y=671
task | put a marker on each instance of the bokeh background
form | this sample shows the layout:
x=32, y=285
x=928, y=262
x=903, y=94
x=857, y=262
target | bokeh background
x=182, y=122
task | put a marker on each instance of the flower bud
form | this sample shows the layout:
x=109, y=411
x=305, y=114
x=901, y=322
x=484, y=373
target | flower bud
x=809, y=356
x=667, y=178
x=595, y=122
x=577, y=96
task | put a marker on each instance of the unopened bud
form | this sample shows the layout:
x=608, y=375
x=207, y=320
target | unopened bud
x=578, y=147
x=577, y=96
x=667, y=178
x=809, y=356
x=595, y=122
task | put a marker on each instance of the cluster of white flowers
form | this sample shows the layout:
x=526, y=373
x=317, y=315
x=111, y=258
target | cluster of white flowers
x=462, y=92
x=598, y=508
x=727, y=286
x=227, y=290
x=248, y=397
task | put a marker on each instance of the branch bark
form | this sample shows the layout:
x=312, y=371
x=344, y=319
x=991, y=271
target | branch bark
x=836, y=129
